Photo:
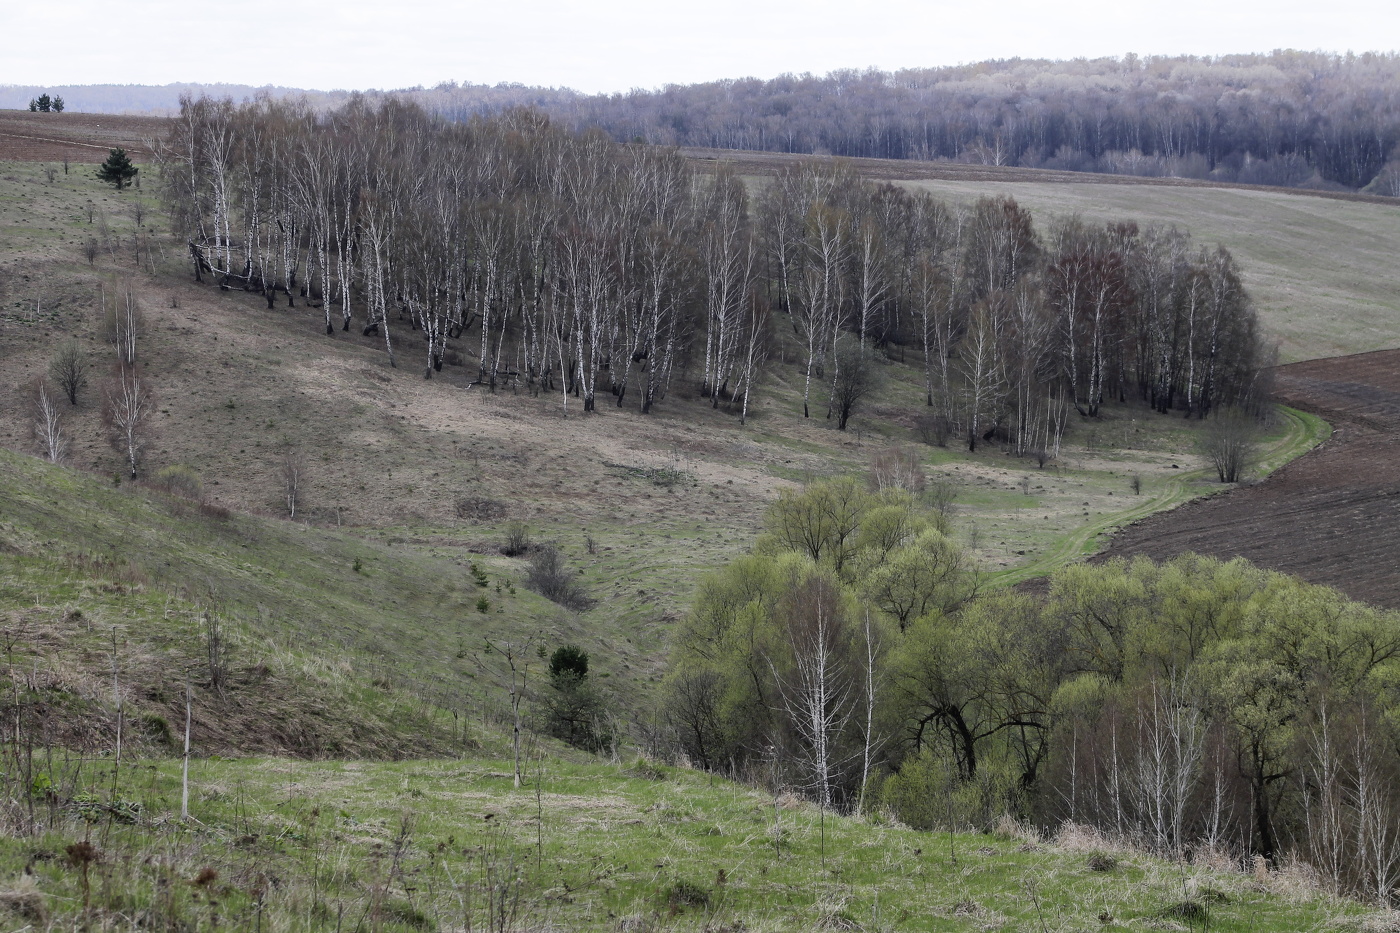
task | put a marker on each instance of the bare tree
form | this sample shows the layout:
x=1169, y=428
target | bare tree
x=872, y=743
x=983, y=377
x=897, y=468
x=47, y=422
x=818, y=684
x=1230, y=441
x=293, y=473
x=127, y=405
x=69, y=369
x=517, y=657
x=122, y=323
x=857, y=376
x=216, y=651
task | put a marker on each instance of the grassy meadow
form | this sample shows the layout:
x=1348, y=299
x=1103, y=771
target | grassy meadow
x=276, y=845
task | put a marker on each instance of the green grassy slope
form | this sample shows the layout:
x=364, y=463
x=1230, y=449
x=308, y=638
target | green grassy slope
x=361, y=646
x=452, y=846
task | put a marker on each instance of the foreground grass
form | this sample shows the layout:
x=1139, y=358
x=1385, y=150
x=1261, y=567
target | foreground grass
x=450, y=845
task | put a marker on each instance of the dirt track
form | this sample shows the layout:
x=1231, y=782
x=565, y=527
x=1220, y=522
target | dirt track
x=1332, y=516
x=78, y=137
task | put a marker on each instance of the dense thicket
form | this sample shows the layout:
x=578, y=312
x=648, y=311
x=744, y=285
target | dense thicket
x=1285, y=118
x=567, y=262
x=1184, y=706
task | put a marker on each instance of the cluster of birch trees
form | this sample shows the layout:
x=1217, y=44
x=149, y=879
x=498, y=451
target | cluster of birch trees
x=128, y=401
x=1015, y=328
x=573, y=264
x=567, y=262
x=1194, y=706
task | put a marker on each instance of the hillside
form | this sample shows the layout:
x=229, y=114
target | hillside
x=275, y=844
x=448, y=464
x=367, y=628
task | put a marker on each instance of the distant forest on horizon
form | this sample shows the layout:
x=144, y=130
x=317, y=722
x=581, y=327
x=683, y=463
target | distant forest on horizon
x=1288, y=118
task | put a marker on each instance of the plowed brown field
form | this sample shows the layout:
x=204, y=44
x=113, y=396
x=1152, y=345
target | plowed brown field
x=1332, y=516
x=78, y=137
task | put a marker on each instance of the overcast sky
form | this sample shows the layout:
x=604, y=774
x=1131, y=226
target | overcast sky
x=615, y=45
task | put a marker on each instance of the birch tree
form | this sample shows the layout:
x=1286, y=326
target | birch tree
x=128, y=405
x=46, y=422
x=817, y=685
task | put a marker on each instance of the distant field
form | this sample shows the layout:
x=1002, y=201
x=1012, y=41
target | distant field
x=78, y=137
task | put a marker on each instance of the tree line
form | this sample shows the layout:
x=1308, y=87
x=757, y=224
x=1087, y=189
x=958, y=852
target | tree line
x=573, y=264
x=1282, y=118
x=1189, y=707
x=1287, y=117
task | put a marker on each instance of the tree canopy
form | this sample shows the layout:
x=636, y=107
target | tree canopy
x=1192, y=704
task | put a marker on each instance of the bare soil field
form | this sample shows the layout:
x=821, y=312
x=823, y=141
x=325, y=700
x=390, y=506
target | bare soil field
x=1332, y=516
x=77, y=137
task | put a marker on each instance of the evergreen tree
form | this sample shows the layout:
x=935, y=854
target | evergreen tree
x=57, y=104
x=44, y=103
x=117, y=170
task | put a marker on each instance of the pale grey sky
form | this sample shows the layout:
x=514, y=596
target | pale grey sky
x=615, y=45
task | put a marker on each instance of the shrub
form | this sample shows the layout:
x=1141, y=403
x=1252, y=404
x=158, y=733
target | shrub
x=180, y=480
x=681, y=894
x=551, y=578
x=479, y=509
x=517, y=539
x=1101, y=861
x=897, y=468
x=1230, y=441
x=568, y=660
x=933, y=430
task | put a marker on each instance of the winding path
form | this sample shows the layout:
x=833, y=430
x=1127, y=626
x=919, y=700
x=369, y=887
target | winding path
x=1332, y=517
x=1304, y=432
